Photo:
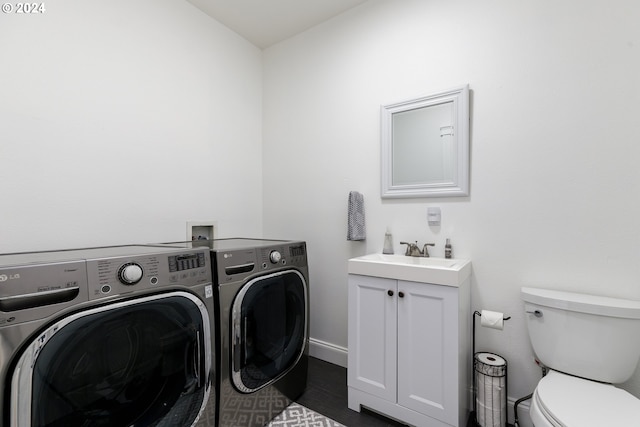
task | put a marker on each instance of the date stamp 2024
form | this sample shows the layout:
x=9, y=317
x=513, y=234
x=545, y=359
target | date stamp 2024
x=23, y=8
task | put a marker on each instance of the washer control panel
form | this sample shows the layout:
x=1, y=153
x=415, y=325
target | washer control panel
x=119, y=275
x=36, y=285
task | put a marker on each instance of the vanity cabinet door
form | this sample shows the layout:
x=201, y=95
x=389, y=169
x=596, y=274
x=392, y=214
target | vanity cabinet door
x=372, y=335
x=428, y=350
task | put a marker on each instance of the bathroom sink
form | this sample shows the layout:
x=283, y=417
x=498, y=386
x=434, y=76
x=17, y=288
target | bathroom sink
x=439, y=271
x=410, y=260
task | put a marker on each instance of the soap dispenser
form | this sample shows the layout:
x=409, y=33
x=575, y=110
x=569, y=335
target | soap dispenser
x=447, y=249
x=388, y=243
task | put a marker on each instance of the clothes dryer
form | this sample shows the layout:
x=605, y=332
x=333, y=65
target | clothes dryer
x=111, y=336
x=262, y=301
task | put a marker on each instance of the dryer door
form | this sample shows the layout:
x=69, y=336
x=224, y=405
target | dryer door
x=143, y=362
x=269, y=329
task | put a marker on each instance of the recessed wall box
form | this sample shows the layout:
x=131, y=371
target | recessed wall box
x=201, y=230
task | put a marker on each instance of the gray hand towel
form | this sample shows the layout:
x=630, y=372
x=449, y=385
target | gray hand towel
x=355, y=217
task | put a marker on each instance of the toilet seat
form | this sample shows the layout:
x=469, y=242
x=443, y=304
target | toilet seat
x=563, y=400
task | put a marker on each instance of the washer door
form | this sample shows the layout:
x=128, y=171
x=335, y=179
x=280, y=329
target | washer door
x=269, y=329
x=142, y=362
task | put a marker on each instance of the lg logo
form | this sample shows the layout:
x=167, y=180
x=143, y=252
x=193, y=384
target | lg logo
x=4, y=277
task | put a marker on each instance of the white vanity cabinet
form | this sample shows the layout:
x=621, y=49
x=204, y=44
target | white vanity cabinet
x=409, y=349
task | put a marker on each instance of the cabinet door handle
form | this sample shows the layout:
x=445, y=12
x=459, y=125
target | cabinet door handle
x=401, y=294
x=390, y=292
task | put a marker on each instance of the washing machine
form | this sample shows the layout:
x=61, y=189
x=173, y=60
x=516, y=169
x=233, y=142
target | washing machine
x=111, y=336
x=262, y=299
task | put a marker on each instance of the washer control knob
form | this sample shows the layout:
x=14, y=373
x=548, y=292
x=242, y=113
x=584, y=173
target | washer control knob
x=130, y=274
x=275, y=257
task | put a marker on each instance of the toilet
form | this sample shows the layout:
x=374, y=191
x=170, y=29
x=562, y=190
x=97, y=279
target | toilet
x=588, y=343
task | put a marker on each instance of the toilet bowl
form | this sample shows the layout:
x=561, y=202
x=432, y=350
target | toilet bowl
x=588, y=343
x=562, y=400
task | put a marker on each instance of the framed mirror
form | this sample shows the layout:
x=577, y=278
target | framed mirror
x=425, y=146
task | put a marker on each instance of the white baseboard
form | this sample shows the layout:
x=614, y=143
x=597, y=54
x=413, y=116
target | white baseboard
x=523, y=412
x=524, y=420
x=328, y=352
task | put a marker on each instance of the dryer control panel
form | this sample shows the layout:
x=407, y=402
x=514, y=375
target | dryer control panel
x=238, y=264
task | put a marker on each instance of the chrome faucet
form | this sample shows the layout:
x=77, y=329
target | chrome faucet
x=414, y=250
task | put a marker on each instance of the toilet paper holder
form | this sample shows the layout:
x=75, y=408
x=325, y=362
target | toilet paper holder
x=479, y=314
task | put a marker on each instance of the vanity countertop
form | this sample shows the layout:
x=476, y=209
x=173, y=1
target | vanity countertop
x=438, y=271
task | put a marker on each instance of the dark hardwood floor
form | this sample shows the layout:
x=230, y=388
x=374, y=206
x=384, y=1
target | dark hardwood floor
x=327, y=394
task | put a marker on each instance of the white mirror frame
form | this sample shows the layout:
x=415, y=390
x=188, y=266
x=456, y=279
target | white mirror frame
x=459, y=186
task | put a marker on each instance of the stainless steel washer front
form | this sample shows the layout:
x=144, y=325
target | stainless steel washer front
x=106, y=336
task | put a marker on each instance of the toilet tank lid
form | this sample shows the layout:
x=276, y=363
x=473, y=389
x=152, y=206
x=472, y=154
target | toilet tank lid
x=583, y=303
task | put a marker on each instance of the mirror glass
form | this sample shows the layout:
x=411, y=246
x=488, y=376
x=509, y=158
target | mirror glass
x=425, y=146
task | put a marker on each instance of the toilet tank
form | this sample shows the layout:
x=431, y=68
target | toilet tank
x=588, y=336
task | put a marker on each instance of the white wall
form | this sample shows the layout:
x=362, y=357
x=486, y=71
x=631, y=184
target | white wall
x=555, y=182
x=120, y=121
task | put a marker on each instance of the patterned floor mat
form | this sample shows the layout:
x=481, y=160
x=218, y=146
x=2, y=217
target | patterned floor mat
x=297, y=415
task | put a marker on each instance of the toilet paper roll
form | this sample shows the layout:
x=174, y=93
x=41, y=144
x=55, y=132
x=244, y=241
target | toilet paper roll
x=492, y=319
x=490, y=364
